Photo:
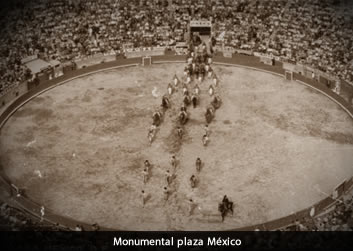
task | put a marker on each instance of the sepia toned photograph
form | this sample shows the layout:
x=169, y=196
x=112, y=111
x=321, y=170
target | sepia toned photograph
x=176, y=115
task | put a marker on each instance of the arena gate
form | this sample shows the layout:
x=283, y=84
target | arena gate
x=146, y=61
x=288, y=75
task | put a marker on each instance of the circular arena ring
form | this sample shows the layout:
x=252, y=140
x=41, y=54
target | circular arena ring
x=280, y=150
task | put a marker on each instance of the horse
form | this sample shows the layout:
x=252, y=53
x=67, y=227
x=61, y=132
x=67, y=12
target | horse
x=225, y=207
x=198, y=164
x=183, y=108
x=202, y=71
x=180, y=132
x=157, y=118
x=175, y=81
x=165, y=103
x=196, y=71
x=215, y=80
x=200, y=78
x=170, y=89
x=211, y=90
x=216, y=102
x=197, y=89
x=210, y=72
x=185, y=90
x=222, y=209
x=205, y=140
x=194, y=100
x=183, y=117
x=193, y=181
x=152, y=133
x=186, y=100
x=150, y=137
x=188, y=79
x=209, y=115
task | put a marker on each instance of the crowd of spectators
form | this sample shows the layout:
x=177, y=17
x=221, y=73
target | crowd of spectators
x=338, y=217
x=318, y=33
x=13, y=219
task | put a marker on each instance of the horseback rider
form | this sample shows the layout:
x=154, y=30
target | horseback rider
x=200, y=78
x=147, y=165
x=193, y=181
x=197, y=89
x=216, y=101
x=194, y=100
x=186, y=72
x=170, y=89
x=210, y=72
x=188, y=79
x=173, y=161
x=228, y=205
x=152, y=129
x=183, y=117
x=211, y=90
x=183, y=108
x=165, y=102
x=144, y=197
x=207, y=130
x=202, y=70
x=186, y=100
x=168, y=176
x=215, y=80
x=185, y=89
x=225, y=200
x=198, y=164
x=145, y=175
x=192, y=205
x=180, y=132
x=150, y=137
x=166, y=193
x=205, y=140
x=175, y=80
x=157, y=116
x=196, y=70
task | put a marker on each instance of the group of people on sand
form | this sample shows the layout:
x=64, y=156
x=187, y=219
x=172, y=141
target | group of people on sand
x=197, y=69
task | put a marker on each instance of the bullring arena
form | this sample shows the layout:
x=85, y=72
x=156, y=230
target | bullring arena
x=77, y=147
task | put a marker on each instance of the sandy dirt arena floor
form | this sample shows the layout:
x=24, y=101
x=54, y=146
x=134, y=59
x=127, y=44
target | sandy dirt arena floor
x=276, y=147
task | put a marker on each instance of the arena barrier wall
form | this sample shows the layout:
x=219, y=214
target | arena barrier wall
x=147, y=52
x=240, y=60
x=12, y=94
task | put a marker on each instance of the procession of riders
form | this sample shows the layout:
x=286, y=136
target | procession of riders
x=198, y=68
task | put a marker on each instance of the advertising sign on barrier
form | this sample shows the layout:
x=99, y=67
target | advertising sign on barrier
x=146, y=52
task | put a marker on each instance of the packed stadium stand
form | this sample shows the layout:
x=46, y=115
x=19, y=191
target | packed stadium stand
x=316, y=33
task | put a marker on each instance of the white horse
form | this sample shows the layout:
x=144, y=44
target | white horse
x=185, y=90
x=197, y=90
x=209, y=61
x=200, y=78
x=211, y=90
x=151, y=133
x=209, y=73
x=188, y=79
x=176, y=80
x=170, y=89
x=215, y=80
